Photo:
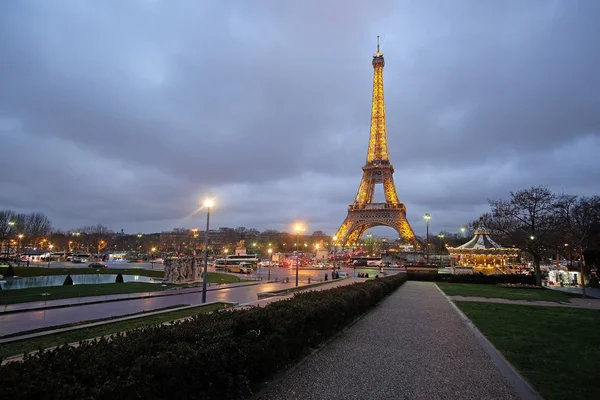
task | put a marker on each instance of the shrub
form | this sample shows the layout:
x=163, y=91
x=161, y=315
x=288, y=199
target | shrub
x=222, y=355
x=68, y=281
x=119, y=278
x=9, y=272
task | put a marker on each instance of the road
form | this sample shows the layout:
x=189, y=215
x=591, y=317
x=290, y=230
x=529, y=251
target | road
x=11, y=323
x=275, y=273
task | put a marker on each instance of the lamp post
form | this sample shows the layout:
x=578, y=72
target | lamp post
x=270, y=263
x=299, y=229
x=152, y=250
x=50, y=256
x=194, y=236
x=427, y=217
x=20, y=236
x=462, y=231
x=208, y=204
x=441, y=236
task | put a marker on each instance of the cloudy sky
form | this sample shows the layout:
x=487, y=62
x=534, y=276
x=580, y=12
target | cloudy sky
x=128, y=113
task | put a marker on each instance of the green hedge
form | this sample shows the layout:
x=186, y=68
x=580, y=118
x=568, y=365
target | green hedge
x=223, y=355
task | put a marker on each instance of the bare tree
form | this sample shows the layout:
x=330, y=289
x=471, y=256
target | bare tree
x=34, y=226
x=528, y=220
x=7, y=227
x=580, y=218
x=92, y=235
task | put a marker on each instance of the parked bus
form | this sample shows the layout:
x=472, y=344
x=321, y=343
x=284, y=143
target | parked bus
x=242, y=258
x=365, y=261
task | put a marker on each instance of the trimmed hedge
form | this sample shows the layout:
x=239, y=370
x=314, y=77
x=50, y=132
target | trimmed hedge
x=119, y=278
x=9, y=272
x=475, y=278
x=224, y=355
x=68, y=281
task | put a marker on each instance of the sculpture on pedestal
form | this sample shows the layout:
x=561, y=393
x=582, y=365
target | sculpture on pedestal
x=183, y=270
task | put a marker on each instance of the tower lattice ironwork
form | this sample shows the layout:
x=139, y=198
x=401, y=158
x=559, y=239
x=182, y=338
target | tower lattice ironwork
x=364, y=214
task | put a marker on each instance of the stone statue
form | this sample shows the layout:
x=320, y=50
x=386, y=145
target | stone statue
x=241, y=244
x=182, y=270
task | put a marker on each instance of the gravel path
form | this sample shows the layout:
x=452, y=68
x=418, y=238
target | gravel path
x=412, y=346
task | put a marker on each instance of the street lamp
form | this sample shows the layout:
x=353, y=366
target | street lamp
x=441, y=236
x=462, y=231
x=270, y=263
x=299, y=229
x=208, y=203
x=194, y=236
x=50, y=256
x=427, y=217
x=20, y=236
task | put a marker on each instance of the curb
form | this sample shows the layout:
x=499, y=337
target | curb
x=519, y=384
x=87, y=303
x=107, y=322
x=291, y=290
x=17, y=358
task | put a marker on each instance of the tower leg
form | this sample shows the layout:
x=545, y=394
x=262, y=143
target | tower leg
x=405, y=230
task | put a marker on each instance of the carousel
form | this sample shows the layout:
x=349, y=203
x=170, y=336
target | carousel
x=482, y=254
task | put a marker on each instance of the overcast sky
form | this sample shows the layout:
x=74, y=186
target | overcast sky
x=128, y=113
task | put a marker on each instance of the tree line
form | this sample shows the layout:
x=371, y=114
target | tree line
x=540, y=222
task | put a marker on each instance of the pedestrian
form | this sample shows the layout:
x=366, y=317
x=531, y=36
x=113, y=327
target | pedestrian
x=28, y=262
x=326, y=275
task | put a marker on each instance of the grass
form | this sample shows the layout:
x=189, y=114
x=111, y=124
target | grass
x=284, y=292
x=555, y=349
x=103, y=289
x=44, y=342
x=41, y=271
x=73, y=324
x=494, y=291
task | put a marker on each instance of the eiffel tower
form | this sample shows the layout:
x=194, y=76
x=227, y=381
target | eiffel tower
x=363, y=214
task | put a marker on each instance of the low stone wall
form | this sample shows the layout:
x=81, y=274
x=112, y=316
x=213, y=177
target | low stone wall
x=183, y=270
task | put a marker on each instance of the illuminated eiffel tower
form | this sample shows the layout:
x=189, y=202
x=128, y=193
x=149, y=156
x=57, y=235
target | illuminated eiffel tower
x=363, y=214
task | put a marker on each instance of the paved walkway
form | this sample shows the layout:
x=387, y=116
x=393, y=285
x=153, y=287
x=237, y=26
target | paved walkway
x=591, y=292
x=27, y=320
x=412, y=346
x=78, y=301
x=593, y=304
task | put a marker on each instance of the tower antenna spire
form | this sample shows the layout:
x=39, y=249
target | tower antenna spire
x=378, y=43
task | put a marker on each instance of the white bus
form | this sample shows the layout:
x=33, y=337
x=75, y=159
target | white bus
x=242, y=258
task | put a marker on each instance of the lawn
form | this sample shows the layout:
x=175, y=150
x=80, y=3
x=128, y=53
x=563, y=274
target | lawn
x=555, y=349
x=494, y=291
x=41, y=271
x=66, y=292
x=44, y=342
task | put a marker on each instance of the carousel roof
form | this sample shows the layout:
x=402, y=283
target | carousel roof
x=481, y=241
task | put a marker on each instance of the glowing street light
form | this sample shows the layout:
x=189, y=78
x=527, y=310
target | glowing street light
x=270, y=251
x=427, y=217
x=299, y=229
x=50, y=246
x=208, y=203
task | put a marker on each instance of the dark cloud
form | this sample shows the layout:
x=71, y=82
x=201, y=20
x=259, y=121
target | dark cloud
x=128, y=113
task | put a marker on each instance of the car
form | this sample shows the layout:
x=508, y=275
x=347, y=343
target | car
x=342, y=274
x=96, y=265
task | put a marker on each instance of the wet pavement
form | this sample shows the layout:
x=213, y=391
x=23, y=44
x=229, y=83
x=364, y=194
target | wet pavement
x=17, y=322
